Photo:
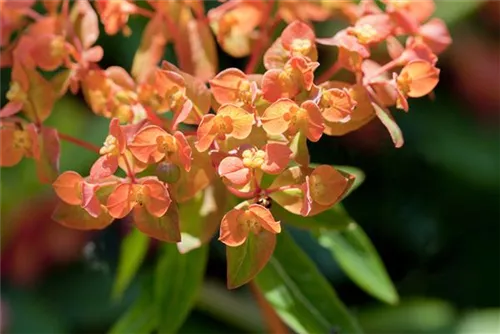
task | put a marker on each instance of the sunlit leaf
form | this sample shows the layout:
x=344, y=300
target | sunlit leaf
x=300, y=294
x=140, y=317
x=247, y=260
x=355, y=253
x=177, y=282
x=133, y=250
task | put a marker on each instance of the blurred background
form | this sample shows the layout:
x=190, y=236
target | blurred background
x=431, y=209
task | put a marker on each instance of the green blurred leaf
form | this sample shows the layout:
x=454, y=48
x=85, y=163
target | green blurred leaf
x=141, y=316
x=410, y=316
x=247, y=260
x=356, y=255
x=480, y=322
x=177, y=281
x=332, y=218
x=300, y=294
x=453, y=11
x=133, y=250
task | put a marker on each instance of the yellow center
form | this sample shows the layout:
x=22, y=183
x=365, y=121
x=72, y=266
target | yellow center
x=224, y=124
x=110, y=146
x=364, y=33
x=139, y=194
x=248, y=221
x=404, y=81
x=22, y=140
x=296, y=116
x=302, y=46
x=16, y=93
x=166, y=144
x=253, y=158
x=245, y=91
x=57, y=47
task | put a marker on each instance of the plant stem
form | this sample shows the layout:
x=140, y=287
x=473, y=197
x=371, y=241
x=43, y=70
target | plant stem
x=79, y=142
x=271, y=318
x=262, y=42
x=325, y=76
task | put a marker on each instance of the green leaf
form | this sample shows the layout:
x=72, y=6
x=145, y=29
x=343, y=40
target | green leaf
x=200, y=217
x=388, y=121
x=332, y=218
x=141, y=316
x=356, y=255
x=177, y=281
x=132, y=253
x=247, y=260
x=451, y=11
x=301, y=296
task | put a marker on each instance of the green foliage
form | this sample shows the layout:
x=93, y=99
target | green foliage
x=298, y=292
x=133, y=249
x=356, y=255
x=177, y=281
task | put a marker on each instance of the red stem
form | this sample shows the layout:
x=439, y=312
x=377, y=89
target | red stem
x=262, y=42
x=79, y=142
x=382, y=69
x=325, y=76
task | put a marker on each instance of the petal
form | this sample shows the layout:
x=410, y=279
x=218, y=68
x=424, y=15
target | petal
x=315, y=122
x=233, y=233
x=296, y=30
x=184, y=151
x=105, y=166
x=307, y=200
x=116, y=131
x=10, y=109
x=274, y=88
x=144, y=146
x=158, y=199
x=224, y=86
x=89, y=199
x=277, y=158
x=424, y=77
x=272, y=119
x=242, y=120
x=9, y=154
x=118, y=203
x=265, y=218
x=232, y=169
x=67, y=188
x=205, y=133
x=326, y=185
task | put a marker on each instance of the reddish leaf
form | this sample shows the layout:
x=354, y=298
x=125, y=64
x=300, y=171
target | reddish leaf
x=165, y=228
x=47, y=165
x=74, y=216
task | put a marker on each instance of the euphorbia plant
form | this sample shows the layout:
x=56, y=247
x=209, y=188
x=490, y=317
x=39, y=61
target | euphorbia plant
x=230, y=145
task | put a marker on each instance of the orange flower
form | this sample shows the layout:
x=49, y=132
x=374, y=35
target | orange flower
x=409, y=14
x=148, y=193
x=351, y=51
x=151, y=144
x=297, y=74
x=111, y=151
x=75, y=190
x=435, y=34
x=230, y=120
x=371, y=29
x=285, y=116
x=418, y=78
x=238, y=223
x=233, y=22
x=232, y=86
x=272, y=159
x=114, y=15
x=171, y=90
x=17, y=142
x=322, y=189
x=336, y=105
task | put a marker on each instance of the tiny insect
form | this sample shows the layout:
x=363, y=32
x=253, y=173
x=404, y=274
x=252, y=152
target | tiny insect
x=265, y=202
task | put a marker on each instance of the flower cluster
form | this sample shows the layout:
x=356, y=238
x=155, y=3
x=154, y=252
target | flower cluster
x=176, y=131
